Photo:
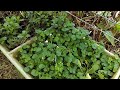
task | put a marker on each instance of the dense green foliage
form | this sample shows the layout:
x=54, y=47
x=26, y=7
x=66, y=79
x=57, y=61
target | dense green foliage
x=15, y=30
x=59, y=50
x=11, y=33
x=62, y=50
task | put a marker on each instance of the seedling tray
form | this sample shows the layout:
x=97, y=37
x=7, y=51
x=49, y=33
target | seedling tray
x=10, y=55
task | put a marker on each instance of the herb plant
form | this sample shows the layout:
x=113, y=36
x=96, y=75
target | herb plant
x=11, y=33
x=61, y=51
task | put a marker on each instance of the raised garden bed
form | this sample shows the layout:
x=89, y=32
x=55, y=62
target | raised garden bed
x=57, y=49
x=7, y=70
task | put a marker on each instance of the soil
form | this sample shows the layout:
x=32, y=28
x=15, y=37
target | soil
x=7, y=70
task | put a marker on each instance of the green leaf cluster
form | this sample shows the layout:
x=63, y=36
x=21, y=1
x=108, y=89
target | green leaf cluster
x=63, y=51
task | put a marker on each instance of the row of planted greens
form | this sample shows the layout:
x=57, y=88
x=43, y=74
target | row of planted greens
x=60, y=49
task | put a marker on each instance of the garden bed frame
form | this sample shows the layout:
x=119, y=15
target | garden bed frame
x=10, y=55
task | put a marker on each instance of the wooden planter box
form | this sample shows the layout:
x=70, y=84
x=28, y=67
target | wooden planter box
x=14, y=61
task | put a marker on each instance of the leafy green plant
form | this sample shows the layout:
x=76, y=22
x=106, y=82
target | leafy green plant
x=10, y=32
x=17, y=29
x=110, y=37
x=117, y=26
x=60, y=50
x=65, y=51
x=11, y=23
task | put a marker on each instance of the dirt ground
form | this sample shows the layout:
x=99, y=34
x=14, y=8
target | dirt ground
x=7, y=70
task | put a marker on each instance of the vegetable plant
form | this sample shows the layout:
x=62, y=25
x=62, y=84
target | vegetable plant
x=11, y=33
x=15, y=30
x=63, y=51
